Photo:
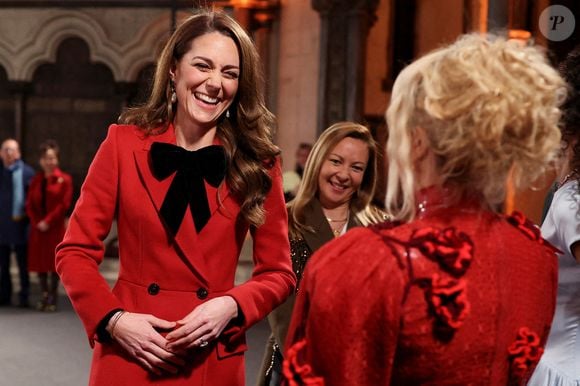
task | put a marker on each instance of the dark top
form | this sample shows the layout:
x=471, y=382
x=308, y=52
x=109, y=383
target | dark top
x=13, y=231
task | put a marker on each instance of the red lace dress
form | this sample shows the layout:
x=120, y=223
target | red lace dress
x=460, y=296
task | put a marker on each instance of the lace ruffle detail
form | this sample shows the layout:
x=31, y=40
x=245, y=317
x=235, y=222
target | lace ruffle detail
x=530, y=229
x=525, y=353
x=451, y=249
x=445, y=292
x=447, y=298
x=298, y=374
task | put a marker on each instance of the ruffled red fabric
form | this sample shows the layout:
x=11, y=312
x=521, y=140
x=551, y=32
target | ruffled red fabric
x=530, y=229
x=446, y=296
x=448, y=300
x=525, y=352
x=297, y=374
x=451, y=249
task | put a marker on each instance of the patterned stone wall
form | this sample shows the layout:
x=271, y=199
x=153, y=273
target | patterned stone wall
x=66, y=74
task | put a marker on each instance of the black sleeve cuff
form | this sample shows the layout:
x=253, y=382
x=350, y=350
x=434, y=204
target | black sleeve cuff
x=103, y=335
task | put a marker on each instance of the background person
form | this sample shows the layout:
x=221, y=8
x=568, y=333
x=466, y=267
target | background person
x=47, y=203
x=291, y=179
x=335, y=195
x=14, y=181
x=187, y=175
x=458, y=294
x=559, y=364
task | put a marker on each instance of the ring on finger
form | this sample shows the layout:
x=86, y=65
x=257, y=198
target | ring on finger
x=203, y=343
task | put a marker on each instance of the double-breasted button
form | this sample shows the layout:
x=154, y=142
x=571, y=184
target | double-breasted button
x=201, y=293
x=153, y=289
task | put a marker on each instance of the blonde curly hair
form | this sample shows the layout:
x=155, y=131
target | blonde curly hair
x=489, y=107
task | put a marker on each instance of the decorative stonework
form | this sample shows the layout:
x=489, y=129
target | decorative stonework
x=25, y=46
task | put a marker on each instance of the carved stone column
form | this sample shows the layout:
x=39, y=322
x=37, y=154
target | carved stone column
x=260, y=18
x=344, y=28
x=475, y=15
x=19, y=91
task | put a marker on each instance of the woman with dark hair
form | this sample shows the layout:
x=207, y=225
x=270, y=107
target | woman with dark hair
x=186, y=175
x=49, y=198
x=456, y=293
x=559, y=365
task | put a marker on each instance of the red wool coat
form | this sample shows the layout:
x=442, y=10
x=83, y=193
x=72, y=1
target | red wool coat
x=165, y=276
x=41, y=245
x=460, y=296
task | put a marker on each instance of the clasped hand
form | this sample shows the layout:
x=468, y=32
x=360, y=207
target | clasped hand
x=138, y=334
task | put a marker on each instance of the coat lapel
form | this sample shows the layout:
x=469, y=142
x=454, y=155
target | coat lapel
x=186, y=237
x=155, y=188
x=314, y=217
x=353, y=221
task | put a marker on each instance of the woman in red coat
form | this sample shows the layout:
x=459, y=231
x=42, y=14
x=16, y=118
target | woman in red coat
x=187, y=175
x=458, y=293
x=49, y=198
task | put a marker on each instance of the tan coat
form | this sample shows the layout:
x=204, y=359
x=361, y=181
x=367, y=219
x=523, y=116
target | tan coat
x=279, y=318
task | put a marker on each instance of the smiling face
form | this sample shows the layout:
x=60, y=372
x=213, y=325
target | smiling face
x=206, y=80
x=342, y=172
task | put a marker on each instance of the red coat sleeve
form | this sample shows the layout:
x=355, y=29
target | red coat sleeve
x=81, y=251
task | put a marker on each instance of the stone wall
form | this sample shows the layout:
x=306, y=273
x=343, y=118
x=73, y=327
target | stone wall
x=297, y=100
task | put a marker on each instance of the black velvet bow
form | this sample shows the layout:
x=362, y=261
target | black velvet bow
x=187, y=187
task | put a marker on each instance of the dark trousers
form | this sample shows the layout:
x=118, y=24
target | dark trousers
x=5, y=279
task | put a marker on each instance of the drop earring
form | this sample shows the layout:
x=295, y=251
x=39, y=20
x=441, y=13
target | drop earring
x=173, y=94
x=228, y=114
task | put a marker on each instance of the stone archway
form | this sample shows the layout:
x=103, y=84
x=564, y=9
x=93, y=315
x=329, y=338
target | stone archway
x=28, y=45
x=72, y=100
x=6, y=107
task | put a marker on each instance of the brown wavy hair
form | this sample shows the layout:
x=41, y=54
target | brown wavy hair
x=246, y=135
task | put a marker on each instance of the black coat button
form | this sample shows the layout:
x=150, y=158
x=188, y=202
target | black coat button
x=153, y=289
x=201, y=293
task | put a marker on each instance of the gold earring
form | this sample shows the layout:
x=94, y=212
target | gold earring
x=173, y=94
